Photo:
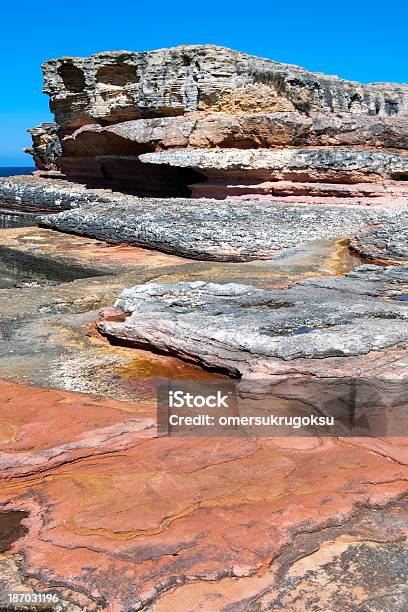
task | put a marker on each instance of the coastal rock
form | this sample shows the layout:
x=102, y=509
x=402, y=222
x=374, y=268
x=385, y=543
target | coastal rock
x=286, y=163
x=34, y=194
x=122, y=85
x=46, y=147
x=388, y=243
x=119, y=520
x=127, y=174
x=240, y=131
x=211, y=229
x=304, y=175
x=242, y=329
x=114, y=106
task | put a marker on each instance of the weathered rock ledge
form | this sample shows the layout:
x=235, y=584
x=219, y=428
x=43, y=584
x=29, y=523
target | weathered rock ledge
x=303, y=174
x=211, y=229
x=238, y=131
x=253, y=333
x=119, y=85
x=291, y=160
x=388, y=243
x=35, y=194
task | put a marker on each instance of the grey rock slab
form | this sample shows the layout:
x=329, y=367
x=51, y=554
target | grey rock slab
x=211, y=229
x=289, y=159
x=371, y=280
x=35, y=194
x=238, y=328
x=387, y=243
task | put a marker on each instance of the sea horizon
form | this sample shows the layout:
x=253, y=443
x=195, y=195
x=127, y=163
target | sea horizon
x=15, y=170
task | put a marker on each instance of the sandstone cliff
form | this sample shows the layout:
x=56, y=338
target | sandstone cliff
x=115, y=86
x=112, y=107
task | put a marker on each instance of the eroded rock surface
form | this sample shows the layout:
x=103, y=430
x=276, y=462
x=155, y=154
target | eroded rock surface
x=318, y=176
x=208, y=524
x=293, y=160
x=239, y=131
x=46, y=148
x=114, y=517
x=388, y=243
x=210, y=229
x=34, y=194
x=120, y=85
x=248, y=331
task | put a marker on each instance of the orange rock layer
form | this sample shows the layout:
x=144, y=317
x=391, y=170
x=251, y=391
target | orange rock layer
x=126, y=520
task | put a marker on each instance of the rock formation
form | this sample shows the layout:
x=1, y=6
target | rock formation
x=121, y=85
x=238, y=200
x=46, y=147
x=249, y=332
x=113, y=107
x=214, y=230
x=351, y=176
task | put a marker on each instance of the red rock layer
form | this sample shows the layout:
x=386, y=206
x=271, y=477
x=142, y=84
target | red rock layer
x=127, y=520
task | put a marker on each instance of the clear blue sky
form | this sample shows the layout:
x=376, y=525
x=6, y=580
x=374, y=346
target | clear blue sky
x=363, y=40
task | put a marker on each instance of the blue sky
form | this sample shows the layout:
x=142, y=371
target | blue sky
x=363, y=40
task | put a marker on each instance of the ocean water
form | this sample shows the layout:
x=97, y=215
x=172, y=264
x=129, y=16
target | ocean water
x=13, y=170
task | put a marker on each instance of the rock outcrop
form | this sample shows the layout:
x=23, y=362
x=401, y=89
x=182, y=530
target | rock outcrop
x=46, y=148
x=121, y=85
x=113, y=107
x=211, y=229
x=256, y=290
x=250, y=332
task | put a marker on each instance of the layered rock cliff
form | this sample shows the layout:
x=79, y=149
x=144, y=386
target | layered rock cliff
x=111, y=87
x=113, y=107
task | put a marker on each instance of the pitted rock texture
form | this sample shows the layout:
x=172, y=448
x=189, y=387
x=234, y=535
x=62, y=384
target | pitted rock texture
x=240, y=131
x=120, y=85
x=34, y=194
x=210, y=229
x=240, y=328
x=388, y=243
x=285, y=162
x=46, y=147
